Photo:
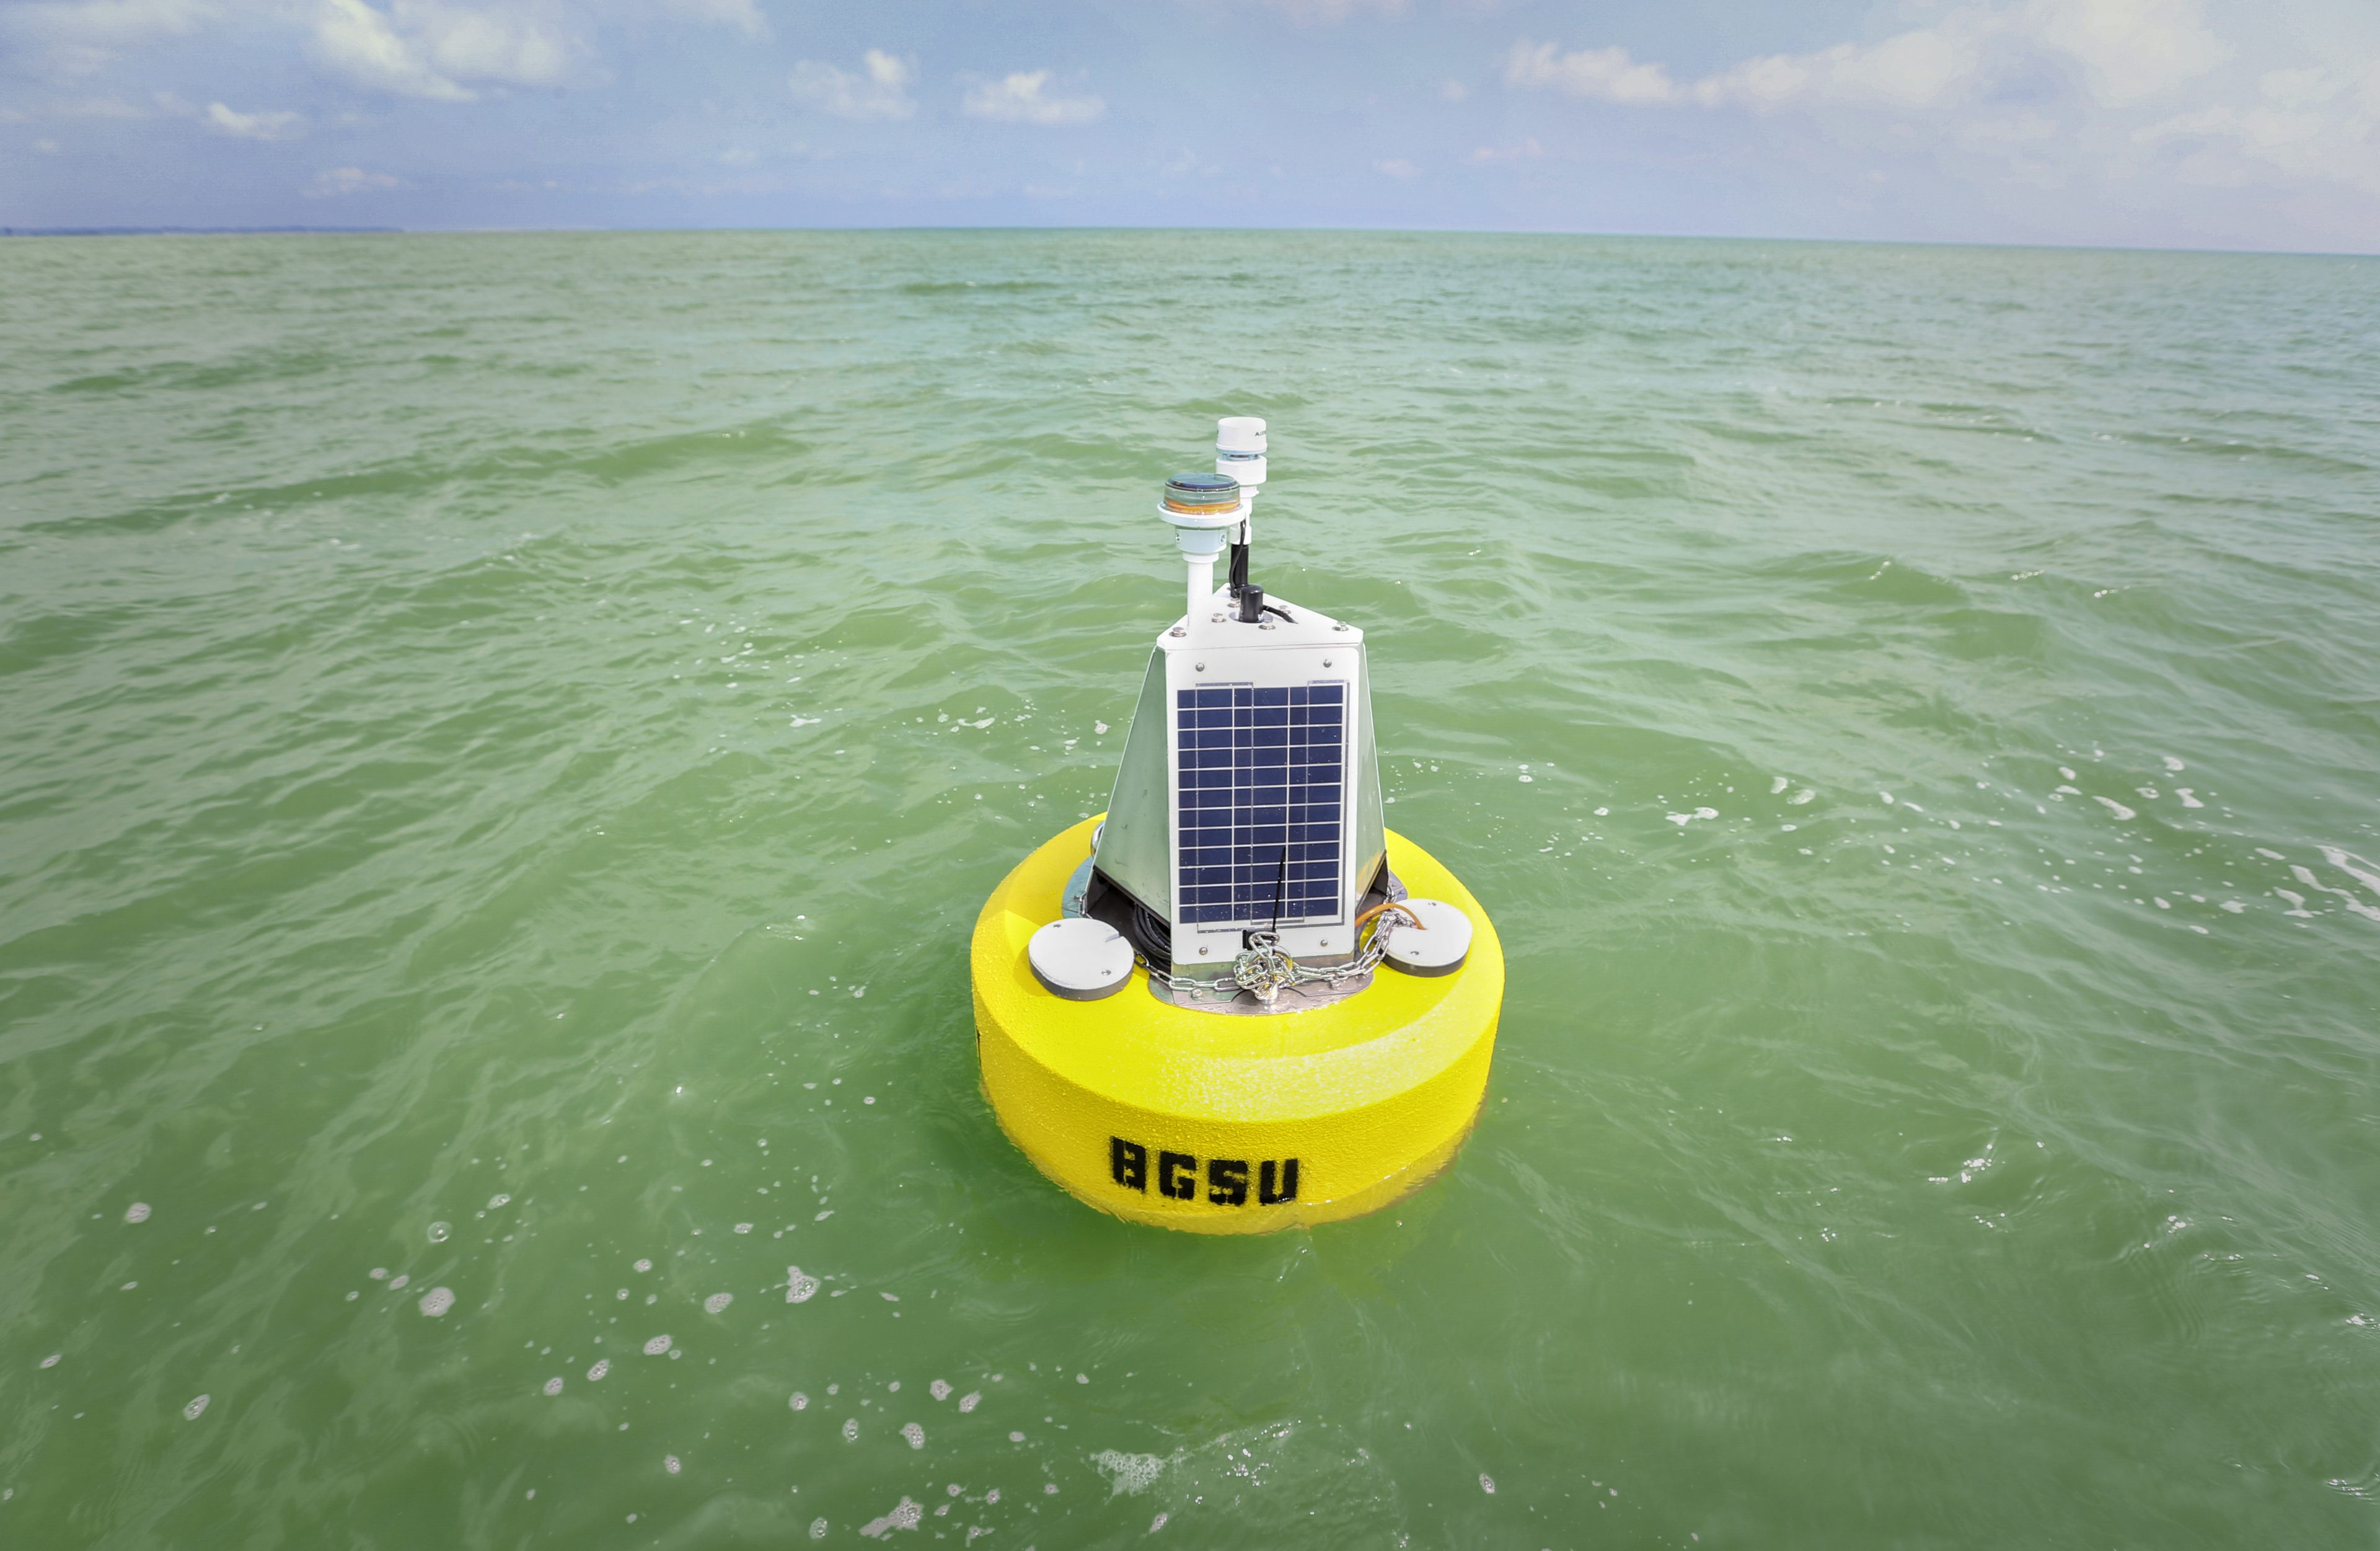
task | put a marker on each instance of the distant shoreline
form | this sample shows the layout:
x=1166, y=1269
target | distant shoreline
x=189, y=231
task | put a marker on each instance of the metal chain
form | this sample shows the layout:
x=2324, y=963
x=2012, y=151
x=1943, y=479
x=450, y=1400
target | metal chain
x=1264, y=969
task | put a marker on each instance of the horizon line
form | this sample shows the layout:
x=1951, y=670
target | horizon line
x=987, y=228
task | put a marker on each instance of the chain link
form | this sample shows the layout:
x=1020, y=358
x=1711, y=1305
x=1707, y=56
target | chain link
x=1262, y=967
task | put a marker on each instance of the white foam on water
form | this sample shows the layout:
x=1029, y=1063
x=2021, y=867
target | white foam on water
x=54, y=1360
x=940, y=1389
x=642, y=1265
x=971, y=1399
x=905, y=1515
x=2233, y=906
x=437, y=1300
x=657, y=1346
x=1156, y=1524
x=1777, y=784
x=379, y=1273
x=669, y=1463
x=2275, y=855
x=2342, y=859
x=851, y=1429
x=913, y=1434
x=2305, y=875
x=1804, y=795
x=137, y=1213
x=1128, y=1474
x=2173, y=764
x=818, y=1528
x=554, y=1385
x=717, y=1301
x=438, y=1232
x=602, y=1366
x=743, y=1228
x=196, y=1409
x=2187, y=800
x=498, y=1199
x=2297, y=904
x=2114, y=807
x=799, y=1401
x=799, y=1288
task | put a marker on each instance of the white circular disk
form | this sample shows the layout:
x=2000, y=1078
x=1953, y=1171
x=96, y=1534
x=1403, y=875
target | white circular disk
x=1441, y=944
x=1080, y=959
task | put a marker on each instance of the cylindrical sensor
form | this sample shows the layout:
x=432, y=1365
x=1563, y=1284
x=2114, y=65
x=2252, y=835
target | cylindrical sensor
x=1202, y=494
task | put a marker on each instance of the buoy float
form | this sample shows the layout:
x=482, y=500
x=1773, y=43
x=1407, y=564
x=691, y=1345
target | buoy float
x=1237, y=1001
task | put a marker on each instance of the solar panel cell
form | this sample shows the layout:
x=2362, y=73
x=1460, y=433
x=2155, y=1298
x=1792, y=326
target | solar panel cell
x=1262, y=798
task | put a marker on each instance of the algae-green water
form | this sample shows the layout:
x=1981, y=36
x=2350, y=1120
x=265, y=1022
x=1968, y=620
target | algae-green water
x=502, y=740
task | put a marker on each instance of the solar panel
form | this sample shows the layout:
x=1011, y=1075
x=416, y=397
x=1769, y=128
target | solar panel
x=1263, y=802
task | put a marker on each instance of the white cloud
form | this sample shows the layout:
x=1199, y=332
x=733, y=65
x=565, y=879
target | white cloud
x=332, y=181
x=226, y=121
x=1016, y=98
x=426, y=48
x=880, y=89
x=80, y=36
x=2116, y=118
x=2131, y=50
x=1333, y=10
x=742, y=15
x=2114, y=53
x=90, y=107
x=1527, y=151
x=109, y=23
x=2321, y=125
x=1606, y=74
x=1398, y=168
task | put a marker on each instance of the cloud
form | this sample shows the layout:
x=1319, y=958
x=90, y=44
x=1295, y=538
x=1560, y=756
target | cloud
x=1018, y=99
x=82, y=36
x=425, y=48
x=742, y=15
x=90, y=107
x=109, y=23
x=880, y=90
x=2109, y=53
x=1397, y=168
x=2321, y=124
x=226, y=121
x=333, y=182
x=1605, y=74
x=1527, y=151
x=1333, y=10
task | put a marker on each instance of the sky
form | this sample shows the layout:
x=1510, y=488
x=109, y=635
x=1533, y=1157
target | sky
x=2147, y=123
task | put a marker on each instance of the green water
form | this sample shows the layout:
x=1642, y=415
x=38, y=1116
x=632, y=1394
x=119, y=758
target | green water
x=504, y=737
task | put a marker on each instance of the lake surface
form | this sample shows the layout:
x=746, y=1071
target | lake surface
x=506, y=738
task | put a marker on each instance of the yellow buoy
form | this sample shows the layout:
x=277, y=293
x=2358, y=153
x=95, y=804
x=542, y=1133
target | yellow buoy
x=1172, y=1116
x=1236, y=1001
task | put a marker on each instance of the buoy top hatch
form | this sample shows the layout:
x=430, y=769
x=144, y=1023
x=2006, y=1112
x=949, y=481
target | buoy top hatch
x=1247, y=801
